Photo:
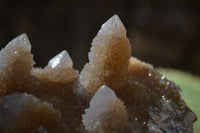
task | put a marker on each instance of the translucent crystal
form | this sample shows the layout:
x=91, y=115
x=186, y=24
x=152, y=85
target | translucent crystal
x=16, y=63
x=113, y=27
x=106, y=113
x=108, y=59
x=61, y=60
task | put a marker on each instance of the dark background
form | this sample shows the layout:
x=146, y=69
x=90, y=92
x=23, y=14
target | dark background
x=164, y=33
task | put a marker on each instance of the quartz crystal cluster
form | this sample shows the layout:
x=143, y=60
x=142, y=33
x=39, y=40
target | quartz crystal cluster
x=114, y=93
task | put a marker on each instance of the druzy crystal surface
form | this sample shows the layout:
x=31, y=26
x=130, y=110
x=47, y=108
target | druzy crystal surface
x=108, y=59
x=114, y=93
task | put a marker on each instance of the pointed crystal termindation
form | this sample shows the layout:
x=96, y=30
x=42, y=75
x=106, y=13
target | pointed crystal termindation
x=108, y=59
x=21, y=41
x=59, y=69
x=16, y=62
x=61, y=60
x=113, y=27
x=106, y=113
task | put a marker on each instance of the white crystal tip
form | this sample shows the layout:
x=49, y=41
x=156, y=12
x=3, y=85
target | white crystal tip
x=21, y=41
x=104, y=97
x=63, y=59
x=105, y=90
x=113, y=27
x=106, y=112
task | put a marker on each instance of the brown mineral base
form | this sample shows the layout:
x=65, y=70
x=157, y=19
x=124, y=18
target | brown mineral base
x=114, y=93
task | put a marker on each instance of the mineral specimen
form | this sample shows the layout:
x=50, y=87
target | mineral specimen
x=114, y=93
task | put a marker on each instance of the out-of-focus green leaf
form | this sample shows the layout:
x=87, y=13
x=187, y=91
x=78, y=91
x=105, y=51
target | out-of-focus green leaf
x=190, y=86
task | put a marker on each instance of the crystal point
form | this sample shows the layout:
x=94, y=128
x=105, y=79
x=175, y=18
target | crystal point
x=63, y=59
x=106, y=113
x=59, y=69
x=20, y=41
x=16, y=62
x=104, y=97
x=113, y=27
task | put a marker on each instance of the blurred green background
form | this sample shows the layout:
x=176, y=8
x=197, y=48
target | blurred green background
x=190, y=86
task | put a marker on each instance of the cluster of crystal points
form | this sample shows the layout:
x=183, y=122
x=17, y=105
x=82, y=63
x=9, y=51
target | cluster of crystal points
x=114, y=93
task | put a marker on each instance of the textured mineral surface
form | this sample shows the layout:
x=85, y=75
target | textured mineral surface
x=114, y=93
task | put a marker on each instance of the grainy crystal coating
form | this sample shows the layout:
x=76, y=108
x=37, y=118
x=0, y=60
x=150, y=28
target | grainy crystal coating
x=108, y=59
x=161, y=101
x=115, y=93
x=22, y=112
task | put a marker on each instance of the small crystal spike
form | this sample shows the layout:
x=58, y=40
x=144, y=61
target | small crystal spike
x=61, y=60
x=106, y=113
x=20, y=41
